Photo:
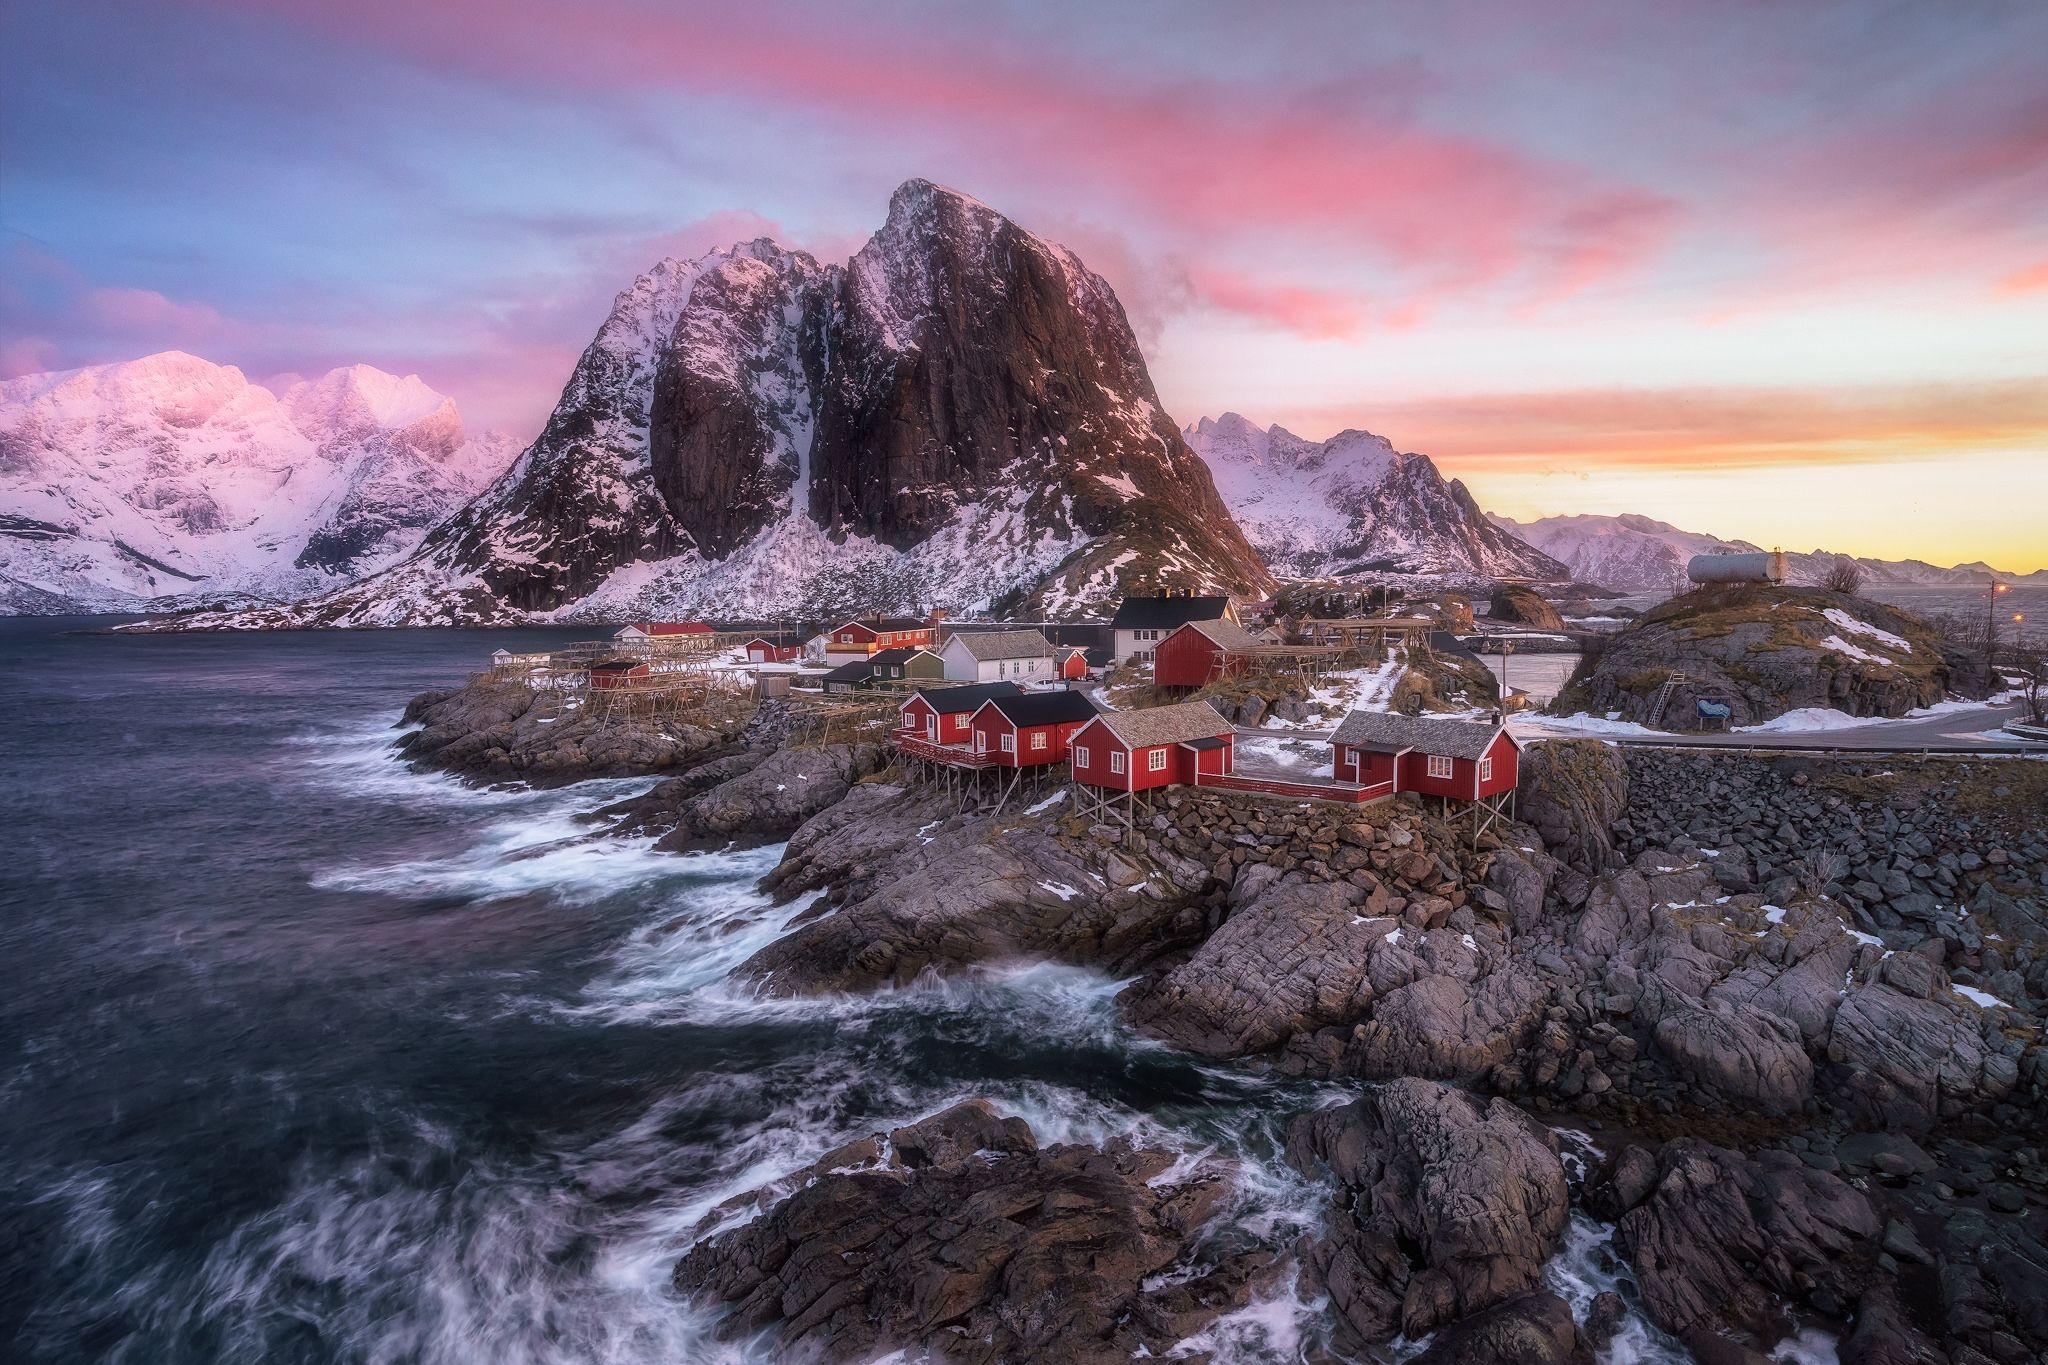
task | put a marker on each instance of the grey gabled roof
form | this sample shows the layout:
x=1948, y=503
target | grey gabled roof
x=1005, y=644
x=1231, y=635
x=1165, y=724
x=1164, y=613
x=1388, y=732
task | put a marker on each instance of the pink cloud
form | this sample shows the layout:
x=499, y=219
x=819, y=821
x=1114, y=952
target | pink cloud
x=2031, y=279
x=1317, y=314
x=1199, y=162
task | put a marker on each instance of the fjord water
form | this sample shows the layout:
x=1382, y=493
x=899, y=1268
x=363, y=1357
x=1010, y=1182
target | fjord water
x=312, y=1058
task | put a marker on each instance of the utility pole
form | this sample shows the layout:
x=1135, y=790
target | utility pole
x=1991, y=620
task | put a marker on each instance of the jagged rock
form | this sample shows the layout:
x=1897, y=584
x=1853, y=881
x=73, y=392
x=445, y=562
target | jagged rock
x=972, y=1243
x=985, y=891
x=1449, y=1205
x=1525, y=607
x=1714, y=1236
x=774, y=796
x=1764, y=651
x=1745, y=1053
x=1912, y=1061
x=1571, y=792
x=507, y=731
x=1536, y=1329
x=1296, y=958
x=1440, y=1027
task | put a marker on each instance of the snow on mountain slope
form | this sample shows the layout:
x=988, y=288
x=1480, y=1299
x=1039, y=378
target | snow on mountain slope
x=959, y=417
x=171, y=476
x=1353, y=504
x=1631, y=553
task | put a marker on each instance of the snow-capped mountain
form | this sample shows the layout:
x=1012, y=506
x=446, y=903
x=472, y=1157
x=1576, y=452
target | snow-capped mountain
x=1353, y=504
x=959, y=416
x=1630, y=553
x=172, y=477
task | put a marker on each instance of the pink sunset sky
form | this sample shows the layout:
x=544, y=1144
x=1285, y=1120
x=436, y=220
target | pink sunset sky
x=1770, y=271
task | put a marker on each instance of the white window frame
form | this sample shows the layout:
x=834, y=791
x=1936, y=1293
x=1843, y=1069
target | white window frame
x=981, y=741
x=1038, y=739
x=1116, y=761
x=1440, y=765
x=1081, y=756
x=1155, y=761
x=1010, y=744
x=1486, y=769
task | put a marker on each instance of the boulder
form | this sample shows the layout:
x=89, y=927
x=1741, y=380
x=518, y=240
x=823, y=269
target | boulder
x=1715, y=1237
x=1743, y=1052
x=962, y=1239
x=1441, y=1027
x=1909, y=1061
x=1447, y=1205
x=1536, y=1329
x=1571, y=792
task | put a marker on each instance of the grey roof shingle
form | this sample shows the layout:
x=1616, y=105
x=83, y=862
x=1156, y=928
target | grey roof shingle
x=1389, y=732
x=1005, y=644
x=1231, y=635
x=1166, y=724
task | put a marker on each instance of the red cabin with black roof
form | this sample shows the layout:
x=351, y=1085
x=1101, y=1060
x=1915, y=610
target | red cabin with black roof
x=944, y=715
x=1030, y=730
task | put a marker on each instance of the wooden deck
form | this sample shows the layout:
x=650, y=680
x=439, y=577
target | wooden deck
x=914, y=745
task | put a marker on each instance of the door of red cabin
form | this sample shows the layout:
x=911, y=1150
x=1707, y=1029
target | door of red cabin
x=931, y=727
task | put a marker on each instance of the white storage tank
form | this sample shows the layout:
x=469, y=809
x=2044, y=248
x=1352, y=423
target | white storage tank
x=1761, y=567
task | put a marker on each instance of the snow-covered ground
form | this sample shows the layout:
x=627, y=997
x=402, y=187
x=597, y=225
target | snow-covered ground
x=1581, y=725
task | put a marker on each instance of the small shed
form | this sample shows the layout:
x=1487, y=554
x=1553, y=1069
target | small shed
x=1160, y=746
x=942, y=715
x=1202, y=652
x=906, y=665
x=1459, y=760
x=1030, y=730
x=611, y=674
x=1070, y=663
x=761, y=650
x=856, y=675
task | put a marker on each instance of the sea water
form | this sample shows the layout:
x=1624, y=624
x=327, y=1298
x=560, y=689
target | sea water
x=313, y=1058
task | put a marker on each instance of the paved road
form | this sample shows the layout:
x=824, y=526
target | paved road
x=1958, y=732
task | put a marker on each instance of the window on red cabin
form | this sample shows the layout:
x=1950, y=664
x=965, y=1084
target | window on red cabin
x=1009, y=744
x=1081, y=757
x=1486, y=770
x=1155, y=761
x=1038, y=740
x=1439, y=766
x=1116, y=760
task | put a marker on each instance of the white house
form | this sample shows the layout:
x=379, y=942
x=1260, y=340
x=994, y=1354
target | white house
x=996, y=655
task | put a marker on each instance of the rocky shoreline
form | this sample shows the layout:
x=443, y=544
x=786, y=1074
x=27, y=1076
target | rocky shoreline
x=1800, y=1001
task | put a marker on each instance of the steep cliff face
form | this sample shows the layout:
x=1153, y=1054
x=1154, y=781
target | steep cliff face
x=1354, y=504
x=958, y=417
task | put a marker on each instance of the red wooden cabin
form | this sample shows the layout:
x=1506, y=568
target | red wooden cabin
x=765, y=651
x=1202, y=652
x=879, y=633
x=615, y=673
x=1160, y=746
x=944, y=715
x=1070, y=663
x=1031, y=730
x=1462, y=760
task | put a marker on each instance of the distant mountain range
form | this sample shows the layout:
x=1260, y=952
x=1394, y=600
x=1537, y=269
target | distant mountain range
x=167, y=480
x=1354, y=504
x=959, y=416
x=1631, y=553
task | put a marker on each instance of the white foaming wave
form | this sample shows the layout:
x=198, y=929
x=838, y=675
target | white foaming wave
x=542, y=847
x=1587, y=1265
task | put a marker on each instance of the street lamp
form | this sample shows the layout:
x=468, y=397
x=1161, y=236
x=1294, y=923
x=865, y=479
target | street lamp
x=1991, y=618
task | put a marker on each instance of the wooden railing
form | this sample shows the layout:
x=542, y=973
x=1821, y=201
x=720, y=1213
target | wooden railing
x=1348, y=793
x=959, y=755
